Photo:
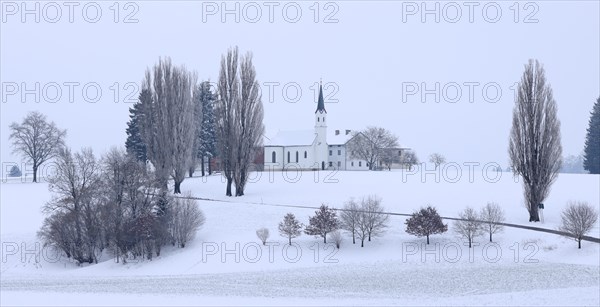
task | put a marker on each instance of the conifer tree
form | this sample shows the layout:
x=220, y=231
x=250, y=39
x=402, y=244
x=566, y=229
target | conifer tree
x=591, y=151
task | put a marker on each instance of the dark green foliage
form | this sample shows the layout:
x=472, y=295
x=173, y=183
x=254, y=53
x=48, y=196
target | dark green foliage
x=591, y=151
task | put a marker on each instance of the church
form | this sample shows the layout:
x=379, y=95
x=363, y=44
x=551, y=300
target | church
x=317, y=149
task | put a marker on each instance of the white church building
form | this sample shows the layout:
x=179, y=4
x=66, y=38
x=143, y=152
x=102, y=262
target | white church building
x=317, y=149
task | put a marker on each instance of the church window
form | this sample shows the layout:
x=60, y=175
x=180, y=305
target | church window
x=305, y=155
x=352, y=163
x=339, y=163
x=359, y=163
x=339, y=152
x=318, y=119
x=330, y=152
x=296, y=157
x=330, y=164
x=323, y=119
x=273, y=157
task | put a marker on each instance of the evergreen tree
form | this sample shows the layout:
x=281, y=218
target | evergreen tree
x=591, y=154
x=207, y=146
x=323, y=222
x=15, y=171
x=135, y=144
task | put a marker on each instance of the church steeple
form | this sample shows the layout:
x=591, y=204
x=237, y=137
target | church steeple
x=321, y=103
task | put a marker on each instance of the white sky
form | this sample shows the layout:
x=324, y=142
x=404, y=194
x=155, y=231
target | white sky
x=370, y=54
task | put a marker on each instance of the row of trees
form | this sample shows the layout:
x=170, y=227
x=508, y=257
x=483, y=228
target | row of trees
x=178, y=122
x=362, y=220
x=115, y=204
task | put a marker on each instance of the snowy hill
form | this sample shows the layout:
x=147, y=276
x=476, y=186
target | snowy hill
x=227, y=265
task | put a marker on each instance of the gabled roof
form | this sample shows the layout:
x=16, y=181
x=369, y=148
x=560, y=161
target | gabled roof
x=292, y=138
x=341, y=139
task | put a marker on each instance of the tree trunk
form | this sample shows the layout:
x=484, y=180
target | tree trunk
x=202, y=165
x=325, y=238
x=469, y=242
x=177, y=187
x=209, y=167
x=533, y=213
x=362, y=243
x=427, y=239
x=579, y=243
x=228, y=190
x=290, y=240
x=35, y=168
x=353, y=238
x=191, y=172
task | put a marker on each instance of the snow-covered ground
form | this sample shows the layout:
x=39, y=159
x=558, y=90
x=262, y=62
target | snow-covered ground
x=226, y=264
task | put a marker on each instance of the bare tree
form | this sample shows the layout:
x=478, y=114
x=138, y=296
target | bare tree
x=248, y=121
x=374, y=217
x=492, y=214
x=263, y=235
x=370, y=144
x=437, y=159
x=167, y=121
x=228, y=94
x=74, y=224
x=187, y=218
x=362, y=229
x=350, y=218
x=425, y=222
x=391, y=156
x=409, y=158
x=469, y=225
x=290, y=227
x=36, y=139
x=535, y=142
x=578, y=219
x=337, y=238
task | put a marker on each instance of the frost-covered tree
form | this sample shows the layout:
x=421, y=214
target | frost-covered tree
x=248, y=123
x=168, y=118
x=350, y=218
x=592, y=142
x=208, y=138
x=263, y=235
x=370, y=144
x=535, y=148
x=469, y=226
x=228, y=94
x=578, y=219
x=186, y=219
x=36, y=139
x=15, y=171
x=337, y=238
x=491, y=215
x=323, y=222
x=290, y=227
x=74, y=224
x=239, y=114
x=437, y=159
x=425, y=222
x=374, y=217
x=135, y=144
x=409, y=158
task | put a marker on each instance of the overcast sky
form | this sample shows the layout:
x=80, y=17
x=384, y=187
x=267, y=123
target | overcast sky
x=375, y=59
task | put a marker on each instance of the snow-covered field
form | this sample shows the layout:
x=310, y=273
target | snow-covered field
x=226, y=264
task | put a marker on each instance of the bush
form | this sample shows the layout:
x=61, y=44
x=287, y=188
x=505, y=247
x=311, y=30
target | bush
x=186, y=219
x=337, y=238
x=263, y=235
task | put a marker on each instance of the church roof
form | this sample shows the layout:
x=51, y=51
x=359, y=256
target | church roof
x=321, y=103
x=292, y=138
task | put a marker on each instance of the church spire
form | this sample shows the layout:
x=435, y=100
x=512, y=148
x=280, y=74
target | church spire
x=321, y=103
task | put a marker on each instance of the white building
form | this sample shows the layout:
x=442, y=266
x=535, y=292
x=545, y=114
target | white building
x=311, y=149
